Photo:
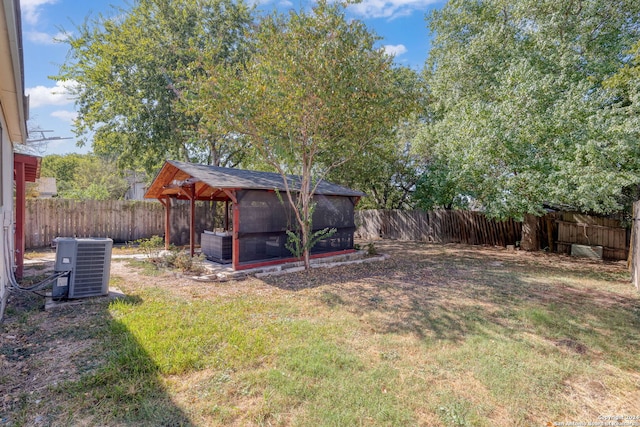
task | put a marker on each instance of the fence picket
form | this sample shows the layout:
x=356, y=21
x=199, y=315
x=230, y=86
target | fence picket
x=443, y=226
x=124, y=221
x=127, y=221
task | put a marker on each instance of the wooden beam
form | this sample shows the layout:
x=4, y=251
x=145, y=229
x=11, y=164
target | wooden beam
x=188, y=192
x=166, y=201
x=231, y=194
x=203, y=188
x=215, y=193
x=165, y=176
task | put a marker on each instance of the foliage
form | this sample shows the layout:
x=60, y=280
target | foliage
x=133, y=75
x=315, y=94
x=184, y=262
x=625, y=84
x=371, y=249
x=151, y=246
x=389, y=170
x=520, y=114
x=84, y=177
x=297, y=248
x=174, y=258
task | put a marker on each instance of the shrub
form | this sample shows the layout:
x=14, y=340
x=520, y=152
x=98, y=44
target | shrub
x=184, y=262
x=371, y=249
x=152, y=246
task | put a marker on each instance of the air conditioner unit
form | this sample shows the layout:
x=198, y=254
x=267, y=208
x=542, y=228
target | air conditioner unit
x=88, y=263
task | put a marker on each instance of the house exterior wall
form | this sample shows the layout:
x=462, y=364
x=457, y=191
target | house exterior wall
x=137, y=186
x=6, y=209
x=46, y=187
x=13, y=117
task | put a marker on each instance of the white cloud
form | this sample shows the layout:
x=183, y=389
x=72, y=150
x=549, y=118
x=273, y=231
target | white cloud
x=65, y=115
x=258, y=2
x=31, y=9
x=60, y=94
x=395, y=50
x=46, y=38
x=390, y=8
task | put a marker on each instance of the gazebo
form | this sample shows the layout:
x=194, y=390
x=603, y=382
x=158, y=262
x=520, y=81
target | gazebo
x=261, y=214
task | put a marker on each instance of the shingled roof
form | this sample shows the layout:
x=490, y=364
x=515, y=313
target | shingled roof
x=230, y=178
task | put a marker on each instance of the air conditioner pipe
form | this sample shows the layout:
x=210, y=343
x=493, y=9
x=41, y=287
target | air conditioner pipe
x=9, y=270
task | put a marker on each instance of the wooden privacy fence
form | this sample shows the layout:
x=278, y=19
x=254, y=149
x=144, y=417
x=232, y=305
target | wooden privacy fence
x=589, y=230
x=557, y=231
x=126, y=221
x=441, y=226
x=123, y=221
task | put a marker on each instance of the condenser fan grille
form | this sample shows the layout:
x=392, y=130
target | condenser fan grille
x=90, y=269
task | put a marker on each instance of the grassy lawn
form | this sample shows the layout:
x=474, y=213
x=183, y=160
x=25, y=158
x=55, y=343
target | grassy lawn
x=435, y=336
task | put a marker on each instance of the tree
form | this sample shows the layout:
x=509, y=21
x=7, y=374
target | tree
x=135, y=74
x=387, y=172
x=521, y=116
x=626, y=86
x=314, y=95
x=84, y=177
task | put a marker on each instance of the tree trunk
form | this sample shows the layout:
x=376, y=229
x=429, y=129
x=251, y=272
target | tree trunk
x=530, y=236
x=306, y=230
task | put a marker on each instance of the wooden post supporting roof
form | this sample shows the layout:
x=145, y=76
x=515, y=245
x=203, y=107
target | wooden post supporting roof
x=20, y=217
x=190, y=192
x=166, y=202
x=192, y=220
x=26, y=168
x=235, y=242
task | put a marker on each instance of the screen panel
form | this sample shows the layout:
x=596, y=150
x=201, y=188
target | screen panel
x=265, y=216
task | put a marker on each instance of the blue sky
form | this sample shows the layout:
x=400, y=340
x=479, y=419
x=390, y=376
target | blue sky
x=400, y=23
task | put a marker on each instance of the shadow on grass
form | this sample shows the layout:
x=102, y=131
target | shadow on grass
x=453, y=293
x=77, y=365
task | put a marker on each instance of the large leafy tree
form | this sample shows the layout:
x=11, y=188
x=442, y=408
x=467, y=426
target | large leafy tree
x=389, y=170
x=521, y=116
x=84, y=177
x=625, y=85
x=315, y=94
x=136, y=80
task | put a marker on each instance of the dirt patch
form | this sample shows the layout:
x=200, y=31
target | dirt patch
x=572, y=345
x=40, y=350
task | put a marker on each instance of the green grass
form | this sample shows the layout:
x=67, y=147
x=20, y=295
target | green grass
x=448, y=336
